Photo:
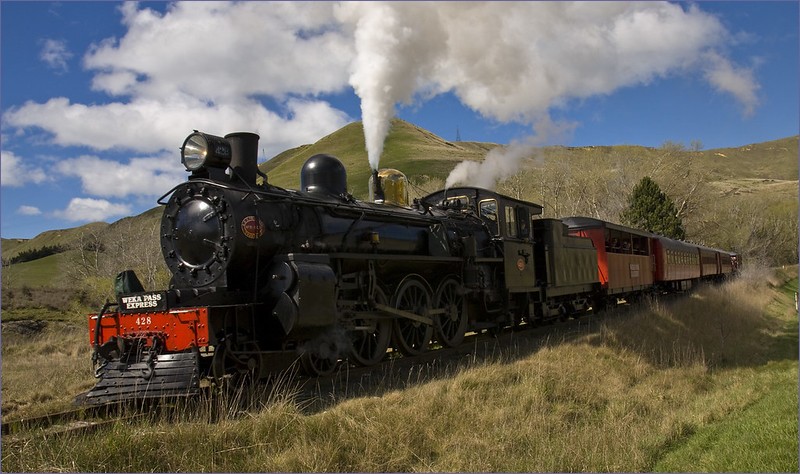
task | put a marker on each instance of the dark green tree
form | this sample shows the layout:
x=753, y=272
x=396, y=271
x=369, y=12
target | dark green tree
x=652, y=210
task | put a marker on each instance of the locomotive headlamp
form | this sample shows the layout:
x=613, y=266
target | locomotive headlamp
x=202, y=150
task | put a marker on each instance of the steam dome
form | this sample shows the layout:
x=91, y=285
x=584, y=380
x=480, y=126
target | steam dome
x=323, y=174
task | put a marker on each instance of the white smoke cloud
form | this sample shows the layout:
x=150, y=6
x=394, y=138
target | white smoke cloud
x=527, y=57
x=515, y=61
x=395, y=48
x=503, y=162
x=90, y=210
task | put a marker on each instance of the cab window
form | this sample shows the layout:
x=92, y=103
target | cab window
x=511, y=221
x=458, y=202
x=488, y=211
x=523, y=222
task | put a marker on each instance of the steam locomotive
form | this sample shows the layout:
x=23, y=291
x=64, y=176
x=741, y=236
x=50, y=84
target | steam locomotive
x=264, y=276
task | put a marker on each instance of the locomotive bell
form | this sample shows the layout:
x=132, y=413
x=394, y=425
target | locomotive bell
x=323, y=174
x=391, y=187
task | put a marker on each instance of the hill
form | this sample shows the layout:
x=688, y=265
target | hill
x=11, y=245
x=50, y=269
x=411, y=149
x=418, y=152
x=63, y=238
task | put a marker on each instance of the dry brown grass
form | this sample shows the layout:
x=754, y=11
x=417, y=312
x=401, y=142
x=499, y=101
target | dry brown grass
x=43, y=372
x=617, y=400
x=716, y=325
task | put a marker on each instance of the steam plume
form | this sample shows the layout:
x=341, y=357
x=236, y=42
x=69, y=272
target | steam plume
x=515, y=61
x=393, y=51
x=502, y=162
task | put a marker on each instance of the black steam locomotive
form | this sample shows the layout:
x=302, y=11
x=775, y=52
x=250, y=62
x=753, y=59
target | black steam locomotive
x=263, y=276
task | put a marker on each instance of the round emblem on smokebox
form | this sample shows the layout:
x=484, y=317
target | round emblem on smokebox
x=520, y=264
x=252, y=227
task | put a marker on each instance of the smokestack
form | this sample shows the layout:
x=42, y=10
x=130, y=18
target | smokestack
x=376, y=188
x=244, y=155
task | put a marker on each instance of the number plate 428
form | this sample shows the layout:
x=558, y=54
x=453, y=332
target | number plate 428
x=144, y=321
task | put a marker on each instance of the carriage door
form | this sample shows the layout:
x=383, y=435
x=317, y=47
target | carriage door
x=518, y=250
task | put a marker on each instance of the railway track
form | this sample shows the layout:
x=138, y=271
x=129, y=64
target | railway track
x=76, y=421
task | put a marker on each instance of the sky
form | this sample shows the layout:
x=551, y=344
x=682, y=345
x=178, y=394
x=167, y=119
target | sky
x=97, y=97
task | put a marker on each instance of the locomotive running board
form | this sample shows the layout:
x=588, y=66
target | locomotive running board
x=171, y=375
x=409, y=315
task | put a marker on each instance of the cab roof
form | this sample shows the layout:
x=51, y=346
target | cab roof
x=477, y=195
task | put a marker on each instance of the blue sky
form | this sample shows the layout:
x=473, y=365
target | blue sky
x=97, y=97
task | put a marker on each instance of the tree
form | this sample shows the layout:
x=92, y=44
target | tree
x=650, y=209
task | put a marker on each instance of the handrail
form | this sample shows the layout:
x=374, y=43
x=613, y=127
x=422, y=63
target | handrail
x=97, y=325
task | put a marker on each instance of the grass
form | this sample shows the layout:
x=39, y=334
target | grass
x=759, y=438
x=407, y=148
x=44, y=371
x=661, y=387
x=45, y=303
x=416, y=151
x=40, y=272
x=60, y=238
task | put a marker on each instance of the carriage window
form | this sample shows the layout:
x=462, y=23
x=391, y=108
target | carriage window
x=640, y=245
x=511, y=222
x=619, y=242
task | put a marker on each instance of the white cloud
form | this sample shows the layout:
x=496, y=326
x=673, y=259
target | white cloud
x=203, y=65
x=152, y=176
x=14, y=172
x=29, y=211
x=91, y=210
x=147, y=126
x=739, y=82
x=55, y=54
x=224, y=51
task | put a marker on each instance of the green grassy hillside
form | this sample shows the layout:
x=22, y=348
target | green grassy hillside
x=409, y=148
x=776, y=159
x=39, y=272
x=61, y=238
x=51, y=270
x=11, y=245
